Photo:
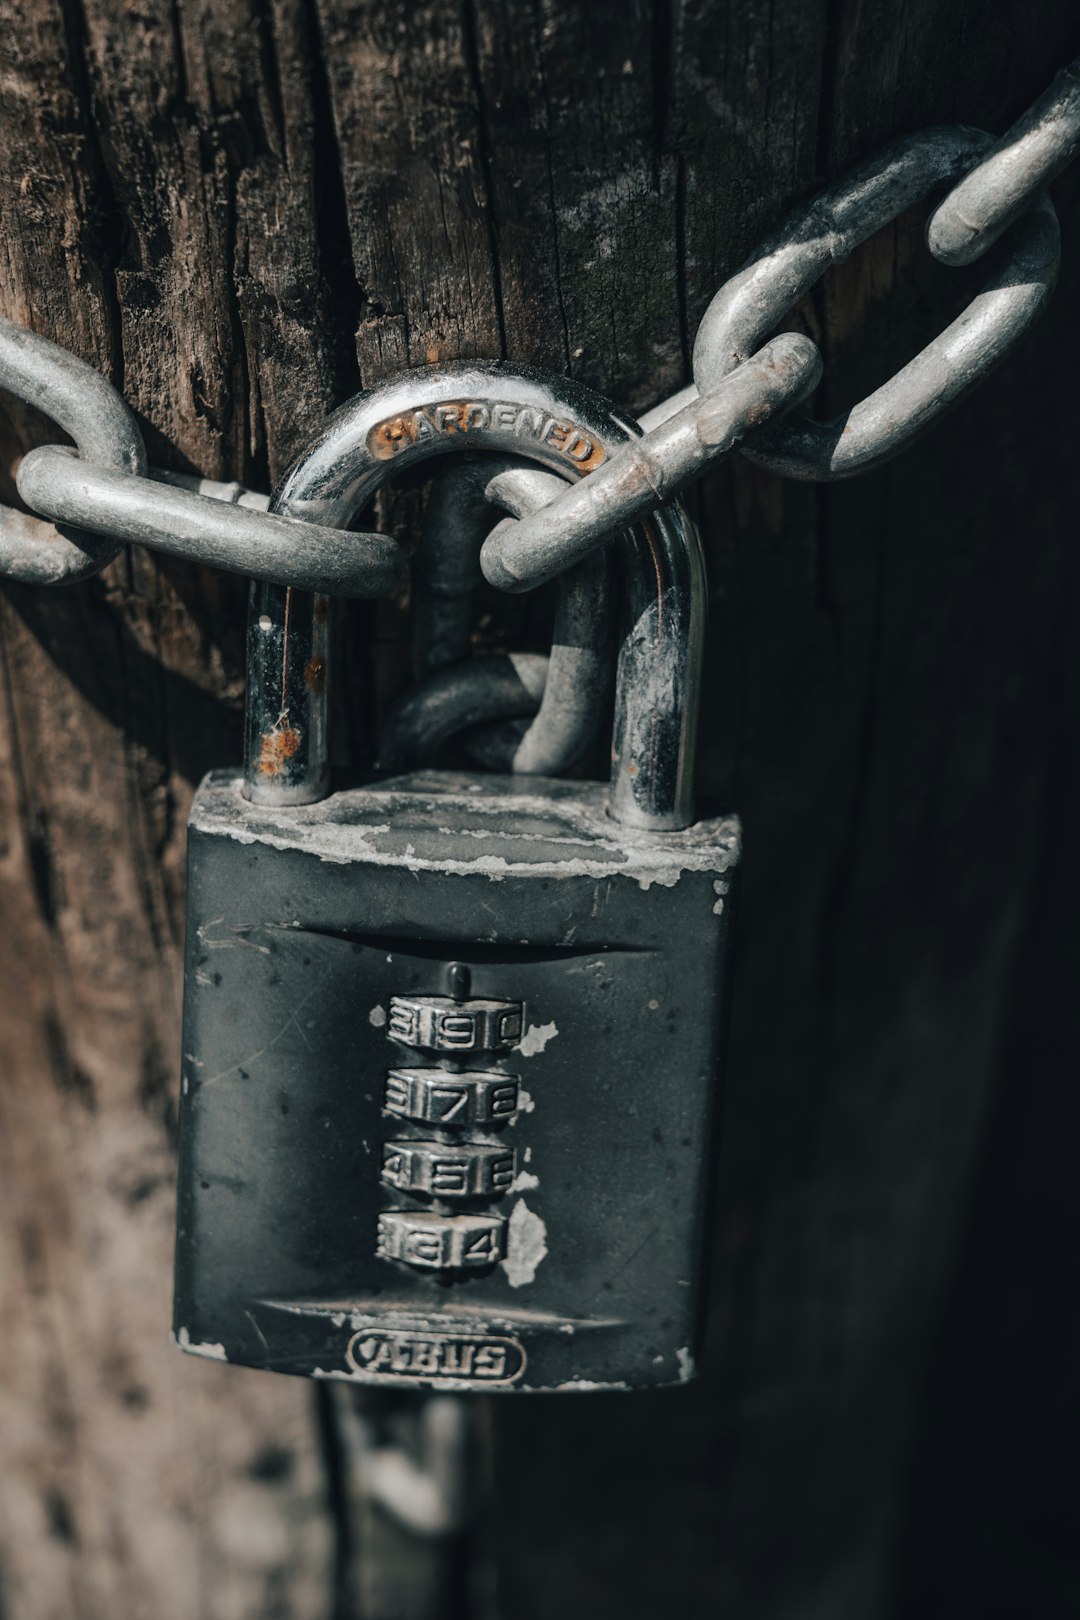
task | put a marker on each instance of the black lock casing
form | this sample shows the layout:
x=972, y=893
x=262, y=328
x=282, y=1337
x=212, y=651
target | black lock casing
x=303, y=923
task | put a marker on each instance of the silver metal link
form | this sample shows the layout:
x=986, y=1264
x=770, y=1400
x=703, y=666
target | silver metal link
x=522, y=553
x=503, y=687
x=824, y=232
x=102, y=489
x=239, y=538
x=1034, y=152
x=739, y=389
x=79, y=400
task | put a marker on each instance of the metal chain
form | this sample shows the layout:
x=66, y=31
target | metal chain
x=102, y=488
x=740, y=393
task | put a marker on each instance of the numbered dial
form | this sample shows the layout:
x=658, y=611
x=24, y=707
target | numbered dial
x=441, y=1242
x=441, y=1024
x=468, y=1171
x=437, y=1097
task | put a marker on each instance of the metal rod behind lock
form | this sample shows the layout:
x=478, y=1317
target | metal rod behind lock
x=559, y=424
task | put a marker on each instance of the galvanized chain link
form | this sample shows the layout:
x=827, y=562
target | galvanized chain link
x=744, y=394
x=103, y=488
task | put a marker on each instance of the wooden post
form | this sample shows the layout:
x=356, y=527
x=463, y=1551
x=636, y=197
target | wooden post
x=243, y=210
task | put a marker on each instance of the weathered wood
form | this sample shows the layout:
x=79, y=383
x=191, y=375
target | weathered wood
x=243, y=209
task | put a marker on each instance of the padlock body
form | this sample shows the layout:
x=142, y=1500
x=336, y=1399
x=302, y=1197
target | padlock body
x=450, y=1076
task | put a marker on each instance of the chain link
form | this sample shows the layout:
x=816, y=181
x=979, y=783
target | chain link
x=102, y=489
x=103, y=494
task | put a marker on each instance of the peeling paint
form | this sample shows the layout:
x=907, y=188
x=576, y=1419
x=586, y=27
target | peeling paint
x=526, y=1102
x=585, y=1385
x=377, y=1016
x=337, y=830
x=687, y=1369
x=236, y=938
x=526, y=1245
x=524, y=1181
x=212, y=1352
x=535, y=1038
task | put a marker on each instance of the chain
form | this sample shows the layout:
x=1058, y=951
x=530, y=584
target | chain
x=744, y=394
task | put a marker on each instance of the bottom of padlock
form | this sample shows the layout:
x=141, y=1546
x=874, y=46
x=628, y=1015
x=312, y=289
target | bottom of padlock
x=370, y=1189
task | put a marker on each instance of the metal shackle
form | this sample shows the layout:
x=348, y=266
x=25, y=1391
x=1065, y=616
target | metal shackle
x=551, y=420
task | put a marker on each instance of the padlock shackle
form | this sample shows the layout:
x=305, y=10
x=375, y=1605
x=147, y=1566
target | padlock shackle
x=559, y=424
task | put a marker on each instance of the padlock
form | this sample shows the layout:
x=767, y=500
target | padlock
x=451, y=1041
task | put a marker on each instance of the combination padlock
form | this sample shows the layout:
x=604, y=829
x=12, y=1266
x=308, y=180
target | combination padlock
x=451, y=1041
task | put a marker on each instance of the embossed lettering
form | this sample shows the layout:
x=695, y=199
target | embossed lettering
x=434, y=1355
x=458, y=1358
x=397, y=433
x=580, y=448
x=424, y=1246
x=386, y=1246
x=426, y=1356
x=480, y=1246
x=490, y=1361
x=449, y=1102
x=394, y=1168
x=469, y=1097
x=451, y=1175
x=403, y=1022
x=398, y=1093
x=458, y=1030
x=502, y=1173
x=439, y=1242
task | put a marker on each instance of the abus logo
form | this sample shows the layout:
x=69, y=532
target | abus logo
x=460, y=1356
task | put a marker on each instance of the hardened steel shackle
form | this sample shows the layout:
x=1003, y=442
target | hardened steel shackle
x=475, y=405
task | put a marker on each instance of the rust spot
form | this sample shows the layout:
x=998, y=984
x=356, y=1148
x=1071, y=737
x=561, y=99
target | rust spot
x=278, y=747
x=387, y=438
x=315, y=675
